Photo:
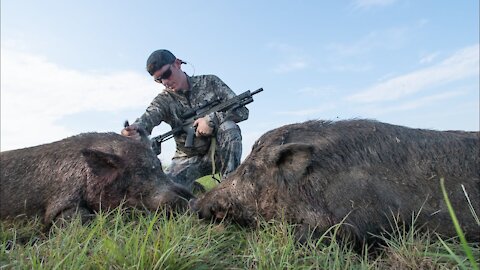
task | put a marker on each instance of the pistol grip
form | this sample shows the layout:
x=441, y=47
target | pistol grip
x=190, y=136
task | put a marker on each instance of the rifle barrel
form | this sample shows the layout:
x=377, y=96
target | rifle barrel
x=257, y=91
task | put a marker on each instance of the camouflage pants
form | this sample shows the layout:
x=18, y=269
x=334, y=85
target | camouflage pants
x=228, y=152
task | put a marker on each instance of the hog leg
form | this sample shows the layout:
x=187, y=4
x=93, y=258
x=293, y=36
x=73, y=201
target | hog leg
x=69, y=214
x=64, y=211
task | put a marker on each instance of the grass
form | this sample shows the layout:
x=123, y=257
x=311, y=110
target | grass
x=129, y=239
x=463, y=241
x=208, y=182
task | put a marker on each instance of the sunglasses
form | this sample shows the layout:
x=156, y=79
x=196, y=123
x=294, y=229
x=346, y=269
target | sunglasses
x=165, y=75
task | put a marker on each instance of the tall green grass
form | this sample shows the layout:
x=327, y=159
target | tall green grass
x=132, y=240
x=129, y=239
x=466, y=248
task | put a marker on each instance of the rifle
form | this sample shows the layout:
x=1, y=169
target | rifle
x=190, y=116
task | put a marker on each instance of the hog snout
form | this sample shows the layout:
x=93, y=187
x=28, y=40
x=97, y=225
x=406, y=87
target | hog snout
x=215, y=211
x=202, y=211
x=195, y=207
x=181, y=192
x=175, y=197
x=192, y=205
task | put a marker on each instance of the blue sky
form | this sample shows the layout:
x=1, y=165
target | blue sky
x=69, y=67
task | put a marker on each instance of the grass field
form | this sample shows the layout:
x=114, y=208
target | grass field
x=126, y=239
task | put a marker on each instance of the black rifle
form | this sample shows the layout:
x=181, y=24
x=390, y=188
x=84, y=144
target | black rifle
x=190, y=116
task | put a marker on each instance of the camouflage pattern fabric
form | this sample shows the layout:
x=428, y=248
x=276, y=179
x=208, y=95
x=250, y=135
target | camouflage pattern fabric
x=228, y=152
x=169, y=106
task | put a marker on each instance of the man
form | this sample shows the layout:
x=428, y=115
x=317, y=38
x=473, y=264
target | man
x=181, y=94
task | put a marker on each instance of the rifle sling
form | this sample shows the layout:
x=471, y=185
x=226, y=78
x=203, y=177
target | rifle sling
x=213, y=146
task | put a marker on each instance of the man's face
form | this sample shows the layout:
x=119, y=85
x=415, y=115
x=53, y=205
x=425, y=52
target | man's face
x=169, y=75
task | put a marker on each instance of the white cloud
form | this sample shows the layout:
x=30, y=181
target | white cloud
x=36, y=93
x=366, y=4
x=323, y=92
x=308, y=112
x=292, y=59
x=426, y=59
x=420, y=102
x=462, y=64
x=388, y=39
x=292, y=65
x=352, y=67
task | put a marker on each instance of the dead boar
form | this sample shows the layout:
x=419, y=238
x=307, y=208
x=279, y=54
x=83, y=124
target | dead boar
x=317, y=173
x=83, y=174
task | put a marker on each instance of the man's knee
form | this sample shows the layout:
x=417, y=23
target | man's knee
x=178, y=172
x=230, y=147
x=227, y=125
x=228, y=132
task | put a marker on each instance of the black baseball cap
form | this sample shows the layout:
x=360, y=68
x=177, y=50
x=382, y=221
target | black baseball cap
x=158, y=59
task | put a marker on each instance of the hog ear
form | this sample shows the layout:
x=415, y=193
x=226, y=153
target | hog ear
x=104, y=165
x=292, y=159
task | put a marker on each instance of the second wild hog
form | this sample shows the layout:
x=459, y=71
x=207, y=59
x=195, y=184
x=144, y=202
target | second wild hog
x=317, y=173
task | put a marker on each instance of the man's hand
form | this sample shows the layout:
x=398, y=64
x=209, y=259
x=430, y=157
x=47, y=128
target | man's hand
x=131, y=131
x=203, y=129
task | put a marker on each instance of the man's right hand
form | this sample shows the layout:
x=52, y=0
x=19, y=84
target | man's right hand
x=131, y=131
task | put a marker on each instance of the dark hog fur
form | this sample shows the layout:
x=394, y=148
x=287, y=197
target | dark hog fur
x=83, y=174
x=316, y=173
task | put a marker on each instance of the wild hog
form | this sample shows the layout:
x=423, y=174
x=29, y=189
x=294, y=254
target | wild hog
x=316, y=173
x=83, y=174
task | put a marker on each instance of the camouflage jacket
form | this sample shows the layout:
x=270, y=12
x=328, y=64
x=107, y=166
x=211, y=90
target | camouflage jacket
x=169, y=106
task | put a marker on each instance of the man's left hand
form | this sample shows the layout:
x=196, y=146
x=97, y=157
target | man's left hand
x=203, y=129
